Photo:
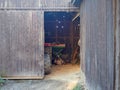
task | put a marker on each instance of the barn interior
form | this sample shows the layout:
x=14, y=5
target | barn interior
x=61, y=31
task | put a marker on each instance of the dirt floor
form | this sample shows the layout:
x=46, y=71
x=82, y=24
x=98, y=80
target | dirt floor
x=63, y=77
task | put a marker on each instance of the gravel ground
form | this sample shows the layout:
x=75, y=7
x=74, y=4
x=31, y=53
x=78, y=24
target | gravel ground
x=64, y=77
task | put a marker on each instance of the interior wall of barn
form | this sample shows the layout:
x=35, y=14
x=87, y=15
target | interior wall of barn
x=75, y=32
x=97, y=43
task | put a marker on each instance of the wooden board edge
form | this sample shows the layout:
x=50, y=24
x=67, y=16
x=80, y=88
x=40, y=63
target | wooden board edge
x=22, y=77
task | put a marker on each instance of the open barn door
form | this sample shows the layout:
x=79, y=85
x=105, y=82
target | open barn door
x=22, y=44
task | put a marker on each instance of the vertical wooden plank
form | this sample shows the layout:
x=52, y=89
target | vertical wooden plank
x=117, y=43
x=110, y=41
x=82, y=35
x=4, y=43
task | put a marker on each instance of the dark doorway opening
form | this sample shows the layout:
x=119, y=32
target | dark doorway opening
x=61, y=37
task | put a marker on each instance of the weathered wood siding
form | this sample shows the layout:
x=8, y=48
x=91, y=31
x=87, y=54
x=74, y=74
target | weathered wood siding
x=117, y=44
x=22, y=44
x=34, y=3
x=97, y=43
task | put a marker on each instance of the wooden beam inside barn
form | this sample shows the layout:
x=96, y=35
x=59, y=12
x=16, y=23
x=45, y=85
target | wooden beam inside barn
x=76, y=16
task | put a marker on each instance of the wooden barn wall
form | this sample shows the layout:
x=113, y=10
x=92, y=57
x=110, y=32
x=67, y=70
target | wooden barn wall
x=21, y=44
x=97, y=43
x=117, y=44
x=34, y=3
